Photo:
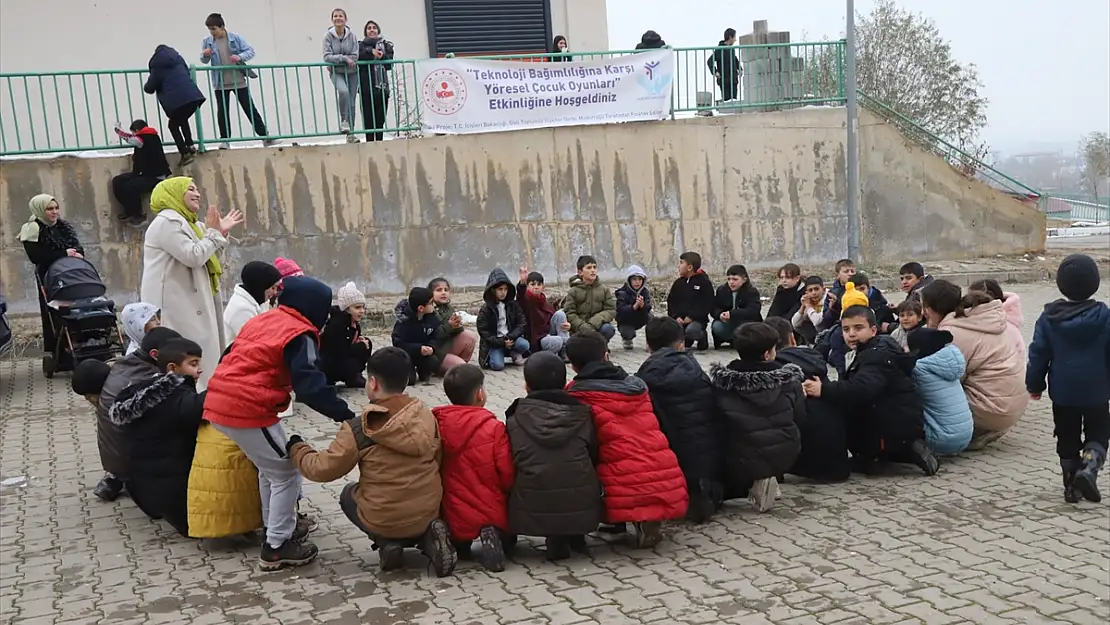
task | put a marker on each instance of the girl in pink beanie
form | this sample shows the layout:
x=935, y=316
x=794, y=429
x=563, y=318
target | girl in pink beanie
x=288, y=267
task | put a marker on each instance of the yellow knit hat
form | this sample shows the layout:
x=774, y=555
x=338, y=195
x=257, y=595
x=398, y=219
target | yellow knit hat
x=852, y=297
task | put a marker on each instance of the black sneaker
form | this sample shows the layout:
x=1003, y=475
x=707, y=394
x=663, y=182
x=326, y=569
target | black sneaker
x=1068, y=469
x=1086, y=478
x=109, y=488
x=290, y=553
x=557, y=548
x=300, y=532
x=391, y=556
x=436, y=545
x=577, y=544
x=493, y=554
x=648, y=534
x=923, y=457
x=305, y=524
x=627, y=344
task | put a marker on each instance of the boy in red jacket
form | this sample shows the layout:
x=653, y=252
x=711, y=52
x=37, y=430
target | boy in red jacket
x=477, y=468
x=640, y=474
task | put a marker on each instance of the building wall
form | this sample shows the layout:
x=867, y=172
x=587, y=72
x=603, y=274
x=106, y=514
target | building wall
x=762, y=189
x=60, y=35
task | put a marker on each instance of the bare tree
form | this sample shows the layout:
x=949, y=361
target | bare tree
x=903, y=62
x=1094, y=150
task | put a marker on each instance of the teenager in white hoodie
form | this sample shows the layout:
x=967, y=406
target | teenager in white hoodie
x=250, y=297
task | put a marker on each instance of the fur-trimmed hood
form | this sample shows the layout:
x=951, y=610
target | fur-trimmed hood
x=137, y=399
x=741, y=377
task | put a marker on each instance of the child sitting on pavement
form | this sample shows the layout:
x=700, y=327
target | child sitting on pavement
x=454, y=345
x=913, y=278
x=910, y=320
x=548, y=329
x=690, y=300
x=1071, y=346
x=642, y=481
x=557, y=493
x=274, y=355
x=395, y=444
x=161, y=416
x=343, y=349
x=501, y=324
x=416, y=331
x=762, y=406
x=736, y=303
x=824, y=453
x=888, y=423
x=682, y=398
x=633, y=305
x=937, y=374
x=809, y=319
x=588, y=304
x=477, y=468
x=788, y=295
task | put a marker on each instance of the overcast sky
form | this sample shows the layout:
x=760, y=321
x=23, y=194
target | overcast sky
x=1045, y=65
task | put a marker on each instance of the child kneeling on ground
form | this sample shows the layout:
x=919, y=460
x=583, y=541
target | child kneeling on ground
x=477, y=468
x=640, y=474
x=633, y=305
x=395, y=445
x=556, y=493
x=762, y=406
x=887, y=421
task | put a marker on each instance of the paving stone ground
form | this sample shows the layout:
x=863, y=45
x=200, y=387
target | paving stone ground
x=988, y=540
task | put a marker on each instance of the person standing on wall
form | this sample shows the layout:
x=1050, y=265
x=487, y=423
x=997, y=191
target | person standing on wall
x=224, y=48
x=725, y=65
x=373, y=78
x=179, y=96
x=341, y=55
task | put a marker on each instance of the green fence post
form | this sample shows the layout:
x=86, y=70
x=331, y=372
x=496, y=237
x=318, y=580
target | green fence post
x=200, y=121
x=840, y=70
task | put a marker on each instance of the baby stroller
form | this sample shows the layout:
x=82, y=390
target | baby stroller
x=82, y=318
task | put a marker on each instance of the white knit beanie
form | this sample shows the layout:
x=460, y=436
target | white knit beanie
x=349, y=295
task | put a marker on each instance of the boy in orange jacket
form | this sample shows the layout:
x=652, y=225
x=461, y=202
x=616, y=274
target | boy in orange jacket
x=477, y=468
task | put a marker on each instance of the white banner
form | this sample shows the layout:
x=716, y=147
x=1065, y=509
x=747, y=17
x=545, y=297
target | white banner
x=461, y=95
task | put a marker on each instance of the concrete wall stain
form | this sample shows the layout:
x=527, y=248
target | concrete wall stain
x=544, y=197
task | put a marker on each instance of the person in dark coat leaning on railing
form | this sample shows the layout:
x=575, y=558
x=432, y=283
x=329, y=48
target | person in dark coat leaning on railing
x=179, y=96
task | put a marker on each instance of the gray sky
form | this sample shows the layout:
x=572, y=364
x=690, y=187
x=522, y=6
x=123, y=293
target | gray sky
x=1045, y=66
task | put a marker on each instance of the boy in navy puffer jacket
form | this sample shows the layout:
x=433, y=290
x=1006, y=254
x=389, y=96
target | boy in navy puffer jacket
x=1071, y=346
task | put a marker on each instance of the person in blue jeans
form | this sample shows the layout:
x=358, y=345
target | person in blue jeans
x=223, y=48
x=501, y=324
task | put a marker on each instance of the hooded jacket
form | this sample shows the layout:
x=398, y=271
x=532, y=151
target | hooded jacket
x=274, y=354
x=786, y=302
x=112, y=440
x=396, y=446
x=879, y=398
x=626, y=299
x=170, y=80
x=640, y=473
x=338, y=49
x=995, y=377
x=241, y=308
x=589, y=306
x=410, y=333
x=135, y=317
x=343, y=355
x=742, y=305
x=477, y=470
x=948, y=422
x=762, y=405
x=682, y=398
x=161, y=416
x=1011, y=304
x=538, y=311
x=650, y=41
x=691, y=297
x=824, y=453
x=554, y=447
x=149, y=157
x=1071, y=347
x=515, y=322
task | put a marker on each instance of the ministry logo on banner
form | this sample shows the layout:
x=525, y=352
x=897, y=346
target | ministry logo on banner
x=654, y=80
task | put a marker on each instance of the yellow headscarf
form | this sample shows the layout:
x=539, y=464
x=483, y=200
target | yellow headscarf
x=170, y=194
x=30, y=230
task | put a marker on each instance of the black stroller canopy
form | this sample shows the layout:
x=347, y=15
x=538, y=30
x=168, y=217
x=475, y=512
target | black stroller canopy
x=70, y=278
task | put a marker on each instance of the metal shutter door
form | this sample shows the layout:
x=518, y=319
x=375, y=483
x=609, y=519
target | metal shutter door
x=474, y=27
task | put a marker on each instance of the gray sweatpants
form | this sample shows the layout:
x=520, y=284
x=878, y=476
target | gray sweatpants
x=279, y=483
x=346, y=91
x=556, y=338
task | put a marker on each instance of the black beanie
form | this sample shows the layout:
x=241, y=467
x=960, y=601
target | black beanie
x=925, y=342
x=1077, y=278
x=258, y=276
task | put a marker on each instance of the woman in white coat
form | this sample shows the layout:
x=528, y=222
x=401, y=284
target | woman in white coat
x=180, y=270
x=251, y=297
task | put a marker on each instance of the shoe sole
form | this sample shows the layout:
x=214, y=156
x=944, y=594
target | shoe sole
x=761, y=495
x=493, y=553
x=648, y=535
x=285, y=562
x=440, y=550
x=1086, y=485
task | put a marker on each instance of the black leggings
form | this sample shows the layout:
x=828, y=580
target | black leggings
x=129, y=189
x=1074, y=423
x=179, y=126
x=375, y=104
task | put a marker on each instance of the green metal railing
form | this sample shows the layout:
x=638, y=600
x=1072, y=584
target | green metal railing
x=74, y=111
x=1075, y=207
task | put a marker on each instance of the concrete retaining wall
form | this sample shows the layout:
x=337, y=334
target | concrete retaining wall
x=762, y=189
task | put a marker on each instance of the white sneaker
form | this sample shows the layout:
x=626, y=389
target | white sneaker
x=761, y=494
x=352, y=138
x=518, y=359
x=778, y=491
x=224, y=146
x=344, y=127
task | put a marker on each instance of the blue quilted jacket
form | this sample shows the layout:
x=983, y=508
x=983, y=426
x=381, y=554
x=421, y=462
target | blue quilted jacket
x=948, y=423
